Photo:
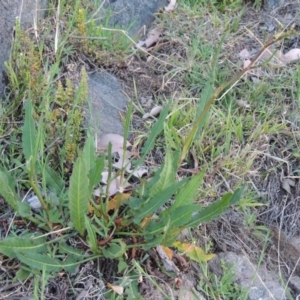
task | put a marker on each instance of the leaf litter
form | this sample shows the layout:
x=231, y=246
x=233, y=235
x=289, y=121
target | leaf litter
x=118, y=184
x=153, y=113
x=152, y=38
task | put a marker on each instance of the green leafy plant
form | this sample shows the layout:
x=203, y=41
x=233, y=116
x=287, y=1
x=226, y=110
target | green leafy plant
x=64, y=176
x=103, y=233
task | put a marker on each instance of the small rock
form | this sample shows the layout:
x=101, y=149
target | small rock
x=262, y=284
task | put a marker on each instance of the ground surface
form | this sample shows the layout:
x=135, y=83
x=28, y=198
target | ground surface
x=264, y=156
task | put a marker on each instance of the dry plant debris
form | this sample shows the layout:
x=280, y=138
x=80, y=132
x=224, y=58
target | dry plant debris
x=152, y=38
x=119, y=183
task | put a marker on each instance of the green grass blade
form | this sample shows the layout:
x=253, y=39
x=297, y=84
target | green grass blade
x=10, y=245
x=127, y=123
x=79, y=194
x=157, y=201
x=204, y=98
x=29, y=133
x=155, y=131
x=188, y=193
x=214, y=210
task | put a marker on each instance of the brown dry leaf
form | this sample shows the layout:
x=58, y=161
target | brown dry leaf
x=168, y=263
x=193, y=252
x=116, y=288
x=154, y=112
x=117, y=201
x=152, y=38
x=171, y=6
x=168, y=251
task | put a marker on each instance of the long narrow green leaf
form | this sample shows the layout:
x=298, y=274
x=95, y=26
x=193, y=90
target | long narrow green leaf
x=157, y=201
x=216, y=209
x=167, y=175
x=211, y=212
x=89, y=154
x=91, y=235
x=8, y=191
x=188, y=193
x=237, y=195
x=183, y=214
x=95, y=174
x=10, y=245
x=39, y=261
x=29, y=132
x=155, y=131
x=79, y=195
x=204, y=98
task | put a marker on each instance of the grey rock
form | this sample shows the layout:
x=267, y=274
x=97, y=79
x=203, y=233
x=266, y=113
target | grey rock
x=261, y=283
x=133, y=14
x=106, y=103
x=26, y=11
